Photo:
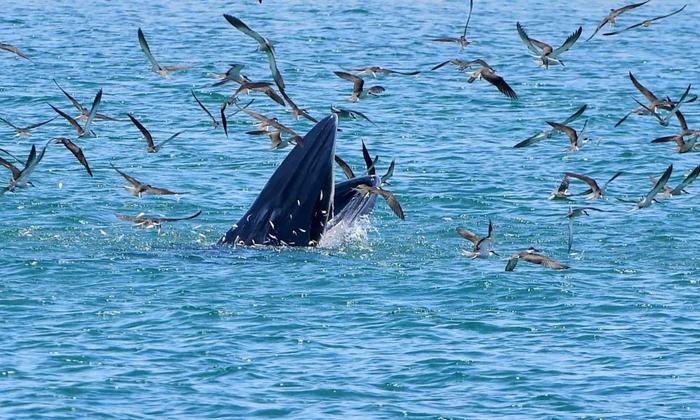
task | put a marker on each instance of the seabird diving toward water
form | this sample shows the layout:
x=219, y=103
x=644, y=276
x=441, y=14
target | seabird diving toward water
x=84, y=112
x=138, y=188
x=344, y=113
x=613, y=15
x=655, y=103
x=647, y=23
x=14, y=50
x=545, y=134
x=358, y=84
x=462, y=40
x=543, y=52
x=575, y=140
x=485, y=71
x=684, y=146
x=482, y=247
x=77, y=152
x=214, y=122
x=85, y=131
x=531, y=255
x=374, y=71
x=155, y=67
x=680, y=188
x=574, y=213
x=151, y=222
x=151, y=146
x=595, y=192
x=24, y=131
x=20, y=178
x=648, y=199
x=386, y=195
x=562, y=192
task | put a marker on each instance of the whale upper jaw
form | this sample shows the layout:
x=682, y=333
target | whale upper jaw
x=297, y=202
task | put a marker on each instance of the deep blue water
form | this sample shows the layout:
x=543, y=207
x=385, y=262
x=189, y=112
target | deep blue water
x=101, y=319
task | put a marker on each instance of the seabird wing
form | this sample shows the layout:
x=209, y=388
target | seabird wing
x=133, y=181
x=469, y=235
x=345, y=167
x=93, y=110
x=146, y=134
x=575, y=115
x=527, y=40
x=500, y=83
x=570, y=41
x=659, y=184
x=147, y=51
x=204, y=108
x=77, y=152
x=72, y=100
x=70, y=119
x=646, y=92
x=690, y=178
x=588, y=180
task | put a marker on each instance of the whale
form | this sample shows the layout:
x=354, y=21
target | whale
x=301, y=201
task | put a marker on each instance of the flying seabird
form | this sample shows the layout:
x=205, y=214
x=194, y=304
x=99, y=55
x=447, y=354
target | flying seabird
x=545, y=134
x=386, y=195
x=680, y=188
x=377, y=70
x=20, y=178
x=77, y=152
x=155, y=67
x=684, y=146
x=595, y=192
x=85, y=131
x=264, y=87
x=274, y=129
x=613, y=15
x=84, y=112
x=482, y=247
x=531, y=255
x=151, y=222
x=571, y=215
x=562, y=193
x=344, y=113
x=647, y=23
x=648, y=199
x=138, y=188
x=358, y=90
x=296, y=111
x=575, y=140
x=233, y=74
x=24, y=131
x=462, y=40
x=655, y=103
x=488, y=73
x=14, y=50
x=151, y=146
x=543, y=52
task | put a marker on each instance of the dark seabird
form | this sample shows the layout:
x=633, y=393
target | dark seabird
x=233, y=74
x=575, y=140
x=273, y=128
x=214, y=122
x=684, y=146
x=351, y=114
x=85, y=131
x=680, y=188
x=647, y=23
x=358, y=84
x=25, y=131
x=386, y=195
x=155, y=67
x=562, y=193
x=347, y=170
x=264, y=87
x=376, y=70
x=545, y=134
x=482, y=247
x=14, y=50
x=296, y=111
x=77, y=152
x=614, y=14
x=151, y=146
x=224, y=118
x=648, y=199
x=532, y=256
x=595, y=192
x=84, y=112
x=655, y=103
x=571, y=215
x=138, y=188
x=20, y=178
x=462, y=40
x=543, y=52
x=488, y=73
x=151, y=222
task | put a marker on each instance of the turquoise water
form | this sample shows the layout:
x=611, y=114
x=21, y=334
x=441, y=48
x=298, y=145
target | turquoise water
x=100, y=318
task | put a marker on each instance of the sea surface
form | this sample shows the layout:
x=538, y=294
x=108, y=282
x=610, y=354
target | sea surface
x=101, y=319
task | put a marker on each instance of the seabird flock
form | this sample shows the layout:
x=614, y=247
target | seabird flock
x=662, y=109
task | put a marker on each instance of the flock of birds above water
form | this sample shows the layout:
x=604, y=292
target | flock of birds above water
x=660, y=108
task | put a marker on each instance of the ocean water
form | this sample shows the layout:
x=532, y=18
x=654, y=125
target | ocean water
x=102, y=319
